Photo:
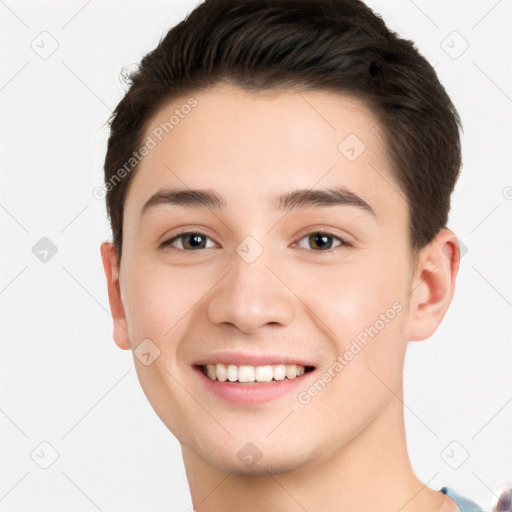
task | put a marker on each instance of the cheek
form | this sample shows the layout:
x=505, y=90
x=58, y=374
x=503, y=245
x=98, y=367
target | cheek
x=158, y=306
x=356, y=296
x=363, y=311
x=157, y=302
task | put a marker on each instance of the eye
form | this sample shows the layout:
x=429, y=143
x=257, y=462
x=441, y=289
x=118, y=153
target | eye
x=193, y=240
x=188, y=240
x=323, y=241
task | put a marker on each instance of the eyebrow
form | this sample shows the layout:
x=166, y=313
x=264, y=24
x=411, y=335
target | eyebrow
x=289, y=201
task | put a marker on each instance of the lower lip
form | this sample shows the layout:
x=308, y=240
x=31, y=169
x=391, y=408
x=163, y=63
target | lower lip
x=252, y=393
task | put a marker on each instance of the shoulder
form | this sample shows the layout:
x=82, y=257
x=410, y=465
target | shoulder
x=464, y=504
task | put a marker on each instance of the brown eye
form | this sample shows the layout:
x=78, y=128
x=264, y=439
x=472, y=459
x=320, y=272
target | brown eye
x=190, y=240
x=323, y=242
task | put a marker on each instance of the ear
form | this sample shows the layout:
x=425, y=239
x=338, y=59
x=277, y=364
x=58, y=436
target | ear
x=433, y=284
x=111, y=267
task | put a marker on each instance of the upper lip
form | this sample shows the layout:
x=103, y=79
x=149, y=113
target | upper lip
x=241, y=358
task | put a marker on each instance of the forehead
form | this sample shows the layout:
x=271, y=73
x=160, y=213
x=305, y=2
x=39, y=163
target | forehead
x=250, y=145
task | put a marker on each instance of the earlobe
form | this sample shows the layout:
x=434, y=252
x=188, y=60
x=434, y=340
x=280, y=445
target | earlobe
x=111, y=268
x=433, y=285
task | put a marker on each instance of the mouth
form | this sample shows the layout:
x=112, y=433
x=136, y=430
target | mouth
x=246, y=374
x=252, y=385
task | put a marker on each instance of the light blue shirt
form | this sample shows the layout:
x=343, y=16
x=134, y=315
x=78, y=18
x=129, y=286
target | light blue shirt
x=464, y=504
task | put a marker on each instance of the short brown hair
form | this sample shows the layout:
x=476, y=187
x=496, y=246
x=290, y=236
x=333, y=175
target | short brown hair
x=334, y=45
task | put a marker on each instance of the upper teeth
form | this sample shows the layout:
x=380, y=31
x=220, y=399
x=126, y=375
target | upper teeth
x=244, y=373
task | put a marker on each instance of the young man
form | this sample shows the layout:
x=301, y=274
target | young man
x=279, y=178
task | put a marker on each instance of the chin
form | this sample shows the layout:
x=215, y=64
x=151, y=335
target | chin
x=269, y=469
x=265, y=462
x=261, y=469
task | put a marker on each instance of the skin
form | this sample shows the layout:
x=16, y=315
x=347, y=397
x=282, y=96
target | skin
x=293, y=299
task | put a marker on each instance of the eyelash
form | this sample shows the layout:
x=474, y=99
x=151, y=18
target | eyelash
x=343, y=243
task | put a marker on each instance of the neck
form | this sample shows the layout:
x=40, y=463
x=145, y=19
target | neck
x=372, y=472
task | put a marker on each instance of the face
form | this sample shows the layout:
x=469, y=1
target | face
x=292, y=268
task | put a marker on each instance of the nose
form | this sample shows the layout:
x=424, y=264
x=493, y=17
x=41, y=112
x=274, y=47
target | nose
x=252, y=295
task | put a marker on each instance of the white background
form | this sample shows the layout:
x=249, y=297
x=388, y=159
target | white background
x=63, y=380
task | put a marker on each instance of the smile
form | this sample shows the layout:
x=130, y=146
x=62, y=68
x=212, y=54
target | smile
x=250, y=374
